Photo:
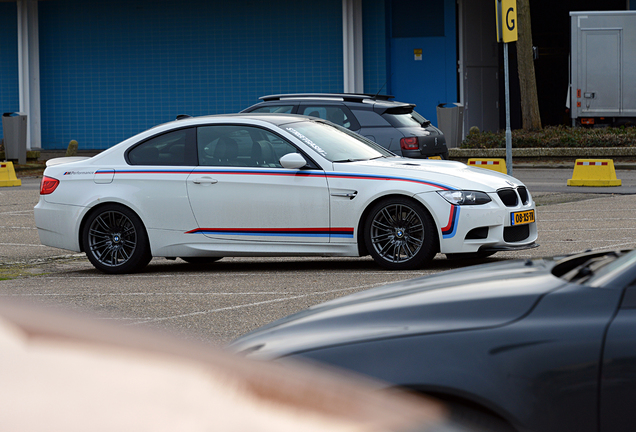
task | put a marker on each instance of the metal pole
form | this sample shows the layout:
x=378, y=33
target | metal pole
x=508, y=132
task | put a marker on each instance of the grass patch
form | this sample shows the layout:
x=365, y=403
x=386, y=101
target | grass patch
x=554, y=137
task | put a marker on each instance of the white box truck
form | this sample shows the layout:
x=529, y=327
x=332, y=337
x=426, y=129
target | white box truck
x=603, y=68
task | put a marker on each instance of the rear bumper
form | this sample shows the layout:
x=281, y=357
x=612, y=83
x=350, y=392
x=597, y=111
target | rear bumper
x=432, y=145
x=58, y=225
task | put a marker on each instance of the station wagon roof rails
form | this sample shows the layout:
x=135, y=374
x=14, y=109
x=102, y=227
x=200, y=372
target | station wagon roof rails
x=347, y=97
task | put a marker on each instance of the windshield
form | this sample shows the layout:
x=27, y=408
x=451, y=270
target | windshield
x=335, y=143
x=603, y=275
x=595, y=269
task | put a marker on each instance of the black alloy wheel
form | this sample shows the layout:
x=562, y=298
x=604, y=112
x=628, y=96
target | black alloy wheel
x=115, y=240
x=400, y=234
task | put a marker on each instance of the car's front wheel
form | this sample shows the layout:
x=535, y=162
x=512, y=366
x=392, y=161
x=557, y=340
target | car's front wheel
x=400, y=234
x=115, y=240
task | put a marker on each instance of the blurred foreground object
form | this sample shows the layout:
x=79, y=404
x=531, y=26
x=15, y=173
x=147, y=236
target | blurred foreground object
x=61, y=372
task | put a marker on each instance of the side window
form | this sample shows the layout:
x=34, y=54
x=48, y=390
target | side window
x=280, y=109
x=370, y=119
x=334, y=114
x=240, y=146
x=167, y=149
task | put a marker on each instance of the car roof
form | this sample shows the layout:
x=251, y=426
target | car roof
x=377, y=99
x=348, y=97
x=274, y=118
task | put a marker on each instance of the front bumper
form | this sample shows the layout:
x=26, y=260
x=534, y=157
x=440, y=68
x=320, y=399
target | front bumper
x=507, y=248
x=481, y=228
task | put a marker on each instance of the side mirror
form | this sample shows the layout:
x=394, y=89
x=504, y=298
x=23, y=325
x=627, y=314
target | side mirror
x=293, y=161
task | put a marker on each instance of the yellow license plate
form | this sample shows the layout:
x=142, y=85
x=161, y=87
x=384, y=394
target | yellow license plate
x=522, y=217
x=435, y=157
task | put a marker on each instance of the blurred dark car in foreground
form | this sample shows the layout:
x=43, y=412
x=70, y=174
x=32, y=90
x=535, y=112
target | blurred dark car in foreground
x=545, y=345
x=392, y=124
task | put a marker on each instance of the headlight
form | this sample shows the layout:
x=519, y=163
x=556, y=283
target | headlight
x=465, y=197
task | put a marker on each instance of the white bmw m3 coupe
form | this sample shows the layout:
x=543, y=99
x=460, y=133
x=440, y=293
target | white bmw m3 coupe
x=274, y=185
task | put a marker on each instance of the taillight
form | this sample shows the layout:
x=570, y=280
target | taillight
x=409, y=143
x=48, y=185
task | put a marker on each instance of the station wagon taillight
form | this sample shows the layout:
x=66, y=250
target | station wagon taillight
x=48, y=185
x=409, y=143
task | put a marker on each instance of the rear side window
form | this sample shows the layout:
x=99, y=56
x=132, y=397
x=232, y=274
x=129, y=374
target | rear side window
x=402, y=120
x=170, y=149
x=279, y=109
x=370, y=119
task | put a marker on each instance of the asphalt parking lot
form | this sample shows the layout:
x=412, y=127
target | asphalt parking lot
x=235, y=295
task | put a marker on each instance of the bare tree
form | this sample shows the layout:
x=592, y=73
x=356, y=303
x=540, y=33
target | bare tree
x=525, y=64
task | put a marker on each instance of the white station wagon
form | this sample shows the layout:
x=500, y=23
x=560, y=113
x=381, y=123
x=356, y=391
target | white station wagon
x=274, y=185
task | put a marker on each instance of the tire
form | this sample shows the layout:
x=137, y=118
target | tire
x=115, y=240
x=200, y=260
x=400, y=234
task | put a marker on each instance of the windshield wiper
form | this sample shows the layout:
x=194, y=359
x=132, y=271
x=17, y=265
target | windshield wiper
x=349, y=160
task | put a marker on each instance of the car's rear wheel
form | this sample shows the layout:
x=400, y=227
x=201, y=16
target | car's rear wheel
x=115, y=240
x=200, y=260
x=400, y=234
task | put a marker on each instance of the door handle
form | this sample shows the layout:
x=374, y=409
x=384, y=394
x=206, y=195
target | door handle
x=204, y=180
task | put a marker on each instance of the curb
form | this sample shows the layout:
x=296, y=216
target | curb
x=552, y=153
x=623, y=157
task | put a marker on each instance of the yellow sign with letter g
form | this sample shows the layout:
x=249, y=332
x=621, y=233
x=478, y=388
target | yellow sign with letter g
x=506, y=11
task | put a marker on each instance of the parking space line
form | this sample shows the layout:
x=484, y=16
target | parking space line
x=175, y=293
x=591, y=229
x=21, y=244
x=18, y=227
x=154, y=320
x=585, y=219
x=221, y=273
x=586, y=241
x=17, y=212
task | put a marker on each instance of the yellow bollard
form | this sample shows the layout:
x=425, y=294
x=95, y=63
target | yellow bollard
x=594, y=172
x=498, y=165
x=7, y=175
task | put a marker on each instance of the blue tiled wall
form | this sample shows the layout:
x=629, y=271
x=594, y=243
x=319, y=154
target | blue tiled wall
x=110, y=69
x=9, y=96
x=374, y=46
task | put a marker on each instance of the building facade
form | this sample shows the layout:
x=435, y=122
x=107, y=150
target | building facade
x=99, y=71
